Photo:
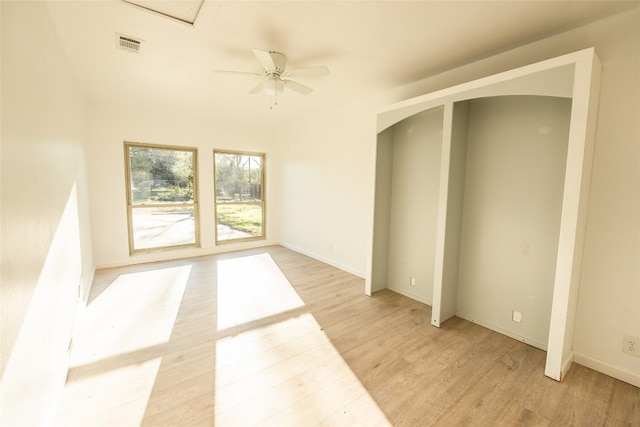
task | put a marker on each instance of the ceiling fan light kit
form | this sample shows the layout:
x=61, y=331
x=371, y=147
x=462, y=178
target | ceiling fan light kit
x=276, y=78
x=273, y=86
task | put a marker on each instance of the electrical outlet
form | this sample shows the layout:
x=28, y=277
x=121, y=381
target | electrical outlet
x=516, y=316
x=412, y=281
x=631, y=345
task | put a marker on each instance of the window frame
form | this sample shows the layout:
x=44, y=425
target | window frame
x=131, y=206
x=262, y=202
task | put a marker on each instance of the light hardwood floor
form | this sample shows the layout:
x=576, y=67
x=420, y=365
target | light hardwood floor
x=270, y=337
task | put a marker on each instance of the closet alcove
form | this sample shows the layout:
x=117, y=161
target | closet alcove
x=480, y=200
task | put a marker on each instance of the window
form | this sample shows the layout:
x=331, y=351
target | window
x=162, y=200
x=239, y=201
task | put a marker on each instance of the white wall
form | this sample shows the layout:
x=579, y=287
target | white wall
x=609, y=299
x=326, y=186
x=110, y=125
x=46, y=247
x=328, y=163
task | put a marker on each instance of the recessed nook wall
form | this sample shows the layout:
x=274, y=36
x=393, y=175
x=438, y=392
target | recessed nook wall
x=415, y=174
x=515, y=163
x=382, y=212
x=510, y=216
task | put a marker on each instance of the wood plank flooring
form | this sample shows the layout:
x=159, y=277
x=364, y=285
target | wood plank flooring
x=269, y=337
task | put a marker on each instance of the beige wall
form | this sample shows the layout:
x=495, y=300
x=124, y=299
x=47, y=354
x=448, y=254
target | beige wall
x=46, y=247
x=329, y=163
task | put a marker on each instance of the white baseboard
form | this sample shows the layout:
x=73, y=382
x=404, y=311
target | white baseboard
x=172, y=255
x=408, y=295
x=605, y=368
x=526, y=340
x=333, y=263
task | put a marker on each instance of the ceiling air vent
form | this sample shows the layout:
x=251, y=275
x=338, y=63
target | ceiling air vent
x=128, y=43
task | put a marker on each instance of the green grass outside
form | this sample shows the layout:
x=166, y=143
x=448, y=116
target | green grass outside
x=247, y=218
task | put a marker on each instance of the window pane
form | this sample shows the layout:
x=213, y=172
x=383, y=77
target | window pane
x=239, y=221
x=162, y=198
x=163, y=226
x=160, y=175
x=239, y=195
x=238, y=177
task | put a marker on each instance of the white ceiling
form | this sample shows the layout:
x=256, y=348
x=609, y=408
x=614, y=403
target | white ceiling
x=369, y=46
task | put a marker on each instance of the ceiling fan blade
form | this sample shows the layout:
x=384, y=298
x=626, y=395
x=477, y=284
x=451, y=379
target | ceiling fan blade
x=247, y=73
x=257, y=88
x=318, y=71
x=297, y=87
x=265, y=59
x=271, y=61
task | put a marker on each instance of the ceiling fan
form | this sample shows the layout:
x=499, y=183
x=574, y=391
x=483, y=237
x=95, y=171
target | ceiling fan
x=275, y=76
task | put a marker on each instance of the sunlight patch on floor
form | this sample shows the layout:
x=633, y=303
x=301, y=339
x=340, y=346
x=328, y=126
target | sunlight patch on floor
x=136, y=311
x=260, y=358
x=252, y=288
x=112, y=367
x=119, y=396
x=288, y=373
